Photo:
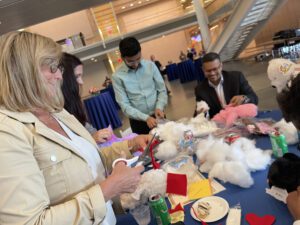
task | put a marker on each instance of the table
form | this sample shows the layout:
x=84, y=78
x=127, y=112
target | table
x=172, y=71
x=102, y=112
x=186, y=71
x=252, y=200
x=199, y=72
x=110, y=89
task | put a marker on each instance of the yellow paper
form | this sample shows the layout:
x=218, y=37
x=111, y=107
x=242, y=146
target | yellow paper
x=199, y=189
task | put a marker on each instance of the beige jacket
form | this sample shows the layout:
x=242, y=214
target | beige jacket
x=42, y=179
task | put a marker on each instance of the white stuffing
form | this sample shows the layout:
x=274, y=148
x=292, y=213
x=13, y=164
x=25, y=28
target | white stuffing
x=221, y=160
x=152, y=182
x=233, y=172
x=288, y=130
x=172, y=131
x=202, y=126
x=166, y=150
x=215, y=155
x=202, y=105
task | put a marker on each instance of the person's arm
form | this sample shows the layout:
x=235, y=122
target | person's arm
x=162, y=97
x=123, y=149
x=123, y=101
x=293, y=203
x=25, y=199
x=247, y=91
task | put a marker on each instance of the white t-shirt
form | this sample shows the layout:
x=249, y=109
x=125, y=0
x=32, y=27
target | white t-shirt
x=87, y=151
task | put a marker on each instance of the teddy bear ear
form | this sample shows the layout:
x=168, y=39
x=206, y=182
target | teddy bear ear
x=291, y=157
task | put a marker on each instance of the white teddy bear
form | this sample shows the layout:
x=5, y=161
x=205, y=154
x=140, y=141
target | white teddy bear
x=281, y=72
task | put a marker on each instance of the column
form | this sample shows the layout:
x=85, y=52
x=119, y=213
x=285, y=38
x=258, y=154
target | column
x=203, y=23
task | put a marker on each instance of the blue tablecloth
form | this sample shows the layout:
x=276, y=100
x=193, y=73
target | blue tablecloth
x=101, y=111
x=252, y=200
x=172, y=71
x=198, y=67
x=186, y=71
x=110, y=89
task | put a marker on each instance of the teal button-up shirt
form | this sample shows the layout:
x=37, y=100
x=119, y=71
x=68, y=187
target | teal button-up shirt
x=139, y=92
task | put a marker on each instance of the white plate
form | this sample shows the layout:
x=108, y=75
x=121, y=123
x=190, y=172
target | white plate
x=219, y=208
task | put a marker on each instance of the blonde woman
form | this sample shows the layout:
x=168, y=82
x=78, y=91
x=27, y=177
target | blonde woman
x=51, y=171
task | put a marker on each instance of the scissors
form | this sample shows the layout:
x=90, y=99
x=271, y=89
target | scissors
x=143, y=159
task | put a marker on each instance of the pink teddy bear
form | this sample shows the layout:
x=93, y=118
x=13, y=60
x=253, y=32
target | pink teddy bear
x=230, y=114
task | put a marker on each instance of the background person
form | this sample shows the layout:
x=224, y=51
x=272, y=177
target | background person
x=139, y=88
x=161, y=69
x=221, y=88
x=72, y=81
x=51, y=171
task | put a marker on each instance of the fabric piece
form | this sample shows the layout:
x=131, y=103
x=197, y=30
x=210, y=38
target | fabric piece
x=254, y=219
x=177, y=184
x=230, y=114
x=199, y=189
x=177, y=214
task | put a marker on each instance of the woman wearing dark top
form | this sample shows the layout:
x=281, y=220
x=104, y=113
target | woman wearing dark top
x=72, y=79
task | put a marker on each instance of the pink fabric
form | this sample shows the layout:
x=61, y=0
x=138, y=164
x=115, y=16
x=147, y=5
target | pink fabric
x=230, y=114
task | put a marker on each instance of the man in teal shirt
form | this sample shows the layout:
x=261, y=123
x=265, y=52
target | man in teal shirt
x=139, y=88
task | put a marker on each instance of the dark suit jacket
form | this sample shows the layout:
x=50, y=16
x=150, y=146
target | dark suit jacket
x=234, y=84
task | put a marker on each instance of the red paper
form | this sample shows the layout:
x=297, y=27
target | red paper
x=254, y=219
x=176, y=184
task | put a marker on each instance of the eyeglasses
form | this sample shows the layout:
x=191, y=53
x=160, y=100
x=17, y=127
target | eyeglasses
x=54, y=67
x=132, y=63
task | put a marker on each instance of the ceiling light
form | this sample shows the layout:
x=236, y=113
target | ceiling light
x=123, y=7
x=131, y=4
x=214, y=27
x=140, y=2
x=92, y=59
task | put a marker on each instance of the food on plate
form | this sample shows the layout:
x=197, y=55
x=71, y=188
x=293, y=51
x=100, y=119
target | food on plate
x=203, y=209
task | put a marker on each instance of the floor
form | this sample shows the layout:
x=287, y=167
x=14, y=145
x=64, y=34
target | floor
x=182, y=100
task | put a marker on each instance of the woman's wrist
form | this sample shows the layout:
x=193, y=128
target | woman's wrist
x=108, y=188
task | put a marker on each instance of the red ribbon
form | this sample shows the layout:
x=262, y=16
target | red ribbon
x=155, y=164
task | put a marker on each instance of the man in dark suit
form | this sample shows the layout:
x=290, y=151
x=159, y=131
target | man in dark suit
x=221, y=88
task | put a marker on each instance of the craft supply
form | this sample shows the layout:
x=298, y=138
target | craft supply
x=160, y=209
x=234, y=215
x=176, y=184
x=279, y=145
x=254, y=219
x=143, y=159
x=199, y=189
x=177, y=214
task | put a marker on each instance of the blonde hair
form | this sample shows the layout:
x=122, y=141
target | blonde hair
x=22, y=85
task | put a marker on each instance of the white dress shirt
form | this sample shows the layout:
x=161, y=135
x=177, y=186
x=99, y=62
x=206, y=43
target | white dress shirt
x=296, y=222
x=219, y=91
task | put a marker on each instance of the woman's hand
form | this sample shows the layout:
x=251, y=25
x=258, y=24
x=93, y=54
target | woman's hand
x=122, y=180
x=103, y=135
x=139, y=141
x=293, y=203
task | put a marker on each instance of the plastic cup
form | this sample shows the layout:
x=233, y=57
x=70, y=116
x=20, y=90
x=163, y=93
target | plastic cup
x=141, y=214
